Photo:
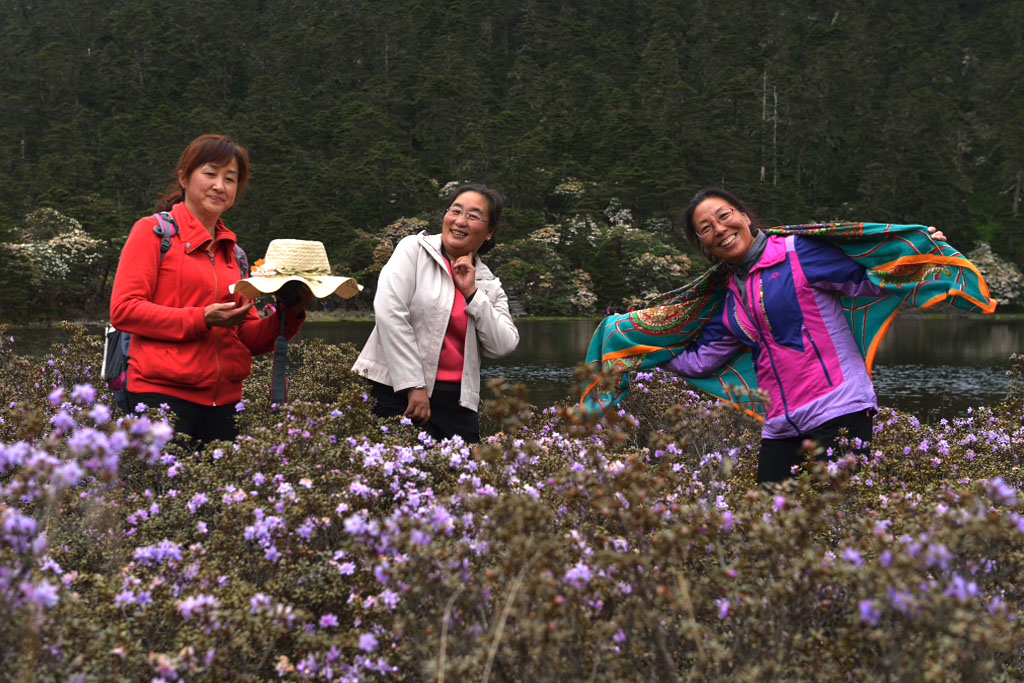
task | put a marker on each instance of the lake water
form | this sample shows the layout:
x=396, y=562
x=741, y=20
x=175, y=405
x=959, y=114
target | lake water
x=931, y=367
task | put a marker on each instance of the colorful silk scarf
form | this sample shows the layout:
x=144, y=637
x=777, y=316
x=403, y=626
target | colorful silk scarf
x=902, y=260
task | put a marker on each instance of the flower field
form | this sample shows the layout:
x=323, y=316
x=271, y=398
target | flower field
x=325, y=544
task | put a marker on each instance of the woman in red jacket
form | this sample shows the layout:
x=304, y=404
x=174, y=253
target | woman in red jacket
x=192, y=340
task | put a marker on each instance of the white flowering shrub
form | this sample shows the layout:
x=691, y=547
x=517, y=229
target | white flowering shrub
x=618, y=215
x=583, y=300
x=1004, y=279
x=446, y=190
x=58, y=256
x=549, y=234
x=570, y=188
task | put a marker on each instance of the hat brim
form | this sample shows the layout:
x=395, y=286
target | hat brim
x=253, y=287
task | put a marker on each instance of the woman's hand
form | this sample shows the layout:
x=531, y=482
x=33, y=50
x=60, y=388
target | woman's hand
x=936, y=234
x=419, y=406
x=226, y=315
x=464, y=274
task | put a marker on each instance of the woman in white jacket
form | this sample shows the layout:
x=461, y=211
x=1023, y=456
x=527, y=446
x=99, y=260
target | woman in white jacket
x=437, y=308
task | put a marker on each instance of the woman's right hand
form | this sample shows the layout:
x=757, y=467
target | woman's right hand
x=419, y=406
x=227, y=315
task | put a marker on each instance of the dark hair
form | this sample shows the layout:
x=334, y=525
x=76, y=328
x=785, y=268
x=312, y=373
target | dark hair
x=494, y=204
x=218, y=150
x=690, y=229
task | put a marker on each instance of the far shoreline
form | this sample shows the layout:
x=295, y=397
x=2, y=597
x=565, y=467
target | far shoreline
x=367, y=317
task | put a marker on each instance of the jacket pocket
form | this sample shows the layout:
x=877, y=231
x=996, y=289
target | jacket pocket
x=186, y=364
x=817, y=354
x=235, y=358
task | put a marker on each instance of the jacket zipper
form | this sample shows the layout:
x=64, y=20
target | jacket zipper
x=752, y=312
x=817, y=353
x=216, y=337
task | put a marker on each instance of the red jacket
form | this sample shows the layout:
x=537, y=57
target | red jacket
x=162, y=304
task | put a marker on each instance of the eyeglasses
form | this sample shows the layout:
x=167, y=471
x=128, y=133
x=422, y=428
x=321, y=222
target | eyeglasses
x=472, y=216
x=723, y=215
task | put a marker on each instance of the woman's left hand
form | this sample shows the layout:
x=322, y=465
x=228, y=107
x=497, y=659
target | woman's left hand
x=936, y=234
x=464, y=274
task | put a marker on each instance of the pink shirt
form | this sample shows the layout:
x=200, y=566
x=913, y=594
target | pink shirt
x=453, y=349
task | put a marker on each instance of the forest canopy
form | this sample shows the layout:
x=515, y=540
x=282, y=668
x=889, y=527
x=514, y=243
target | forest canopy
x=358, y=114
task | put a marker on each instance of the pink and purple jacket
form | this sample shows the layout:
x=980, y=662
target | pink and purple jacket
x=804, y=353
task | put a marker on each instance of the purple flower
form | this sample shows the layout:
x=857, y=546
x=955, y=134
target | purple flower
x=354, y=524
x=1001, y=492
x=961, y=589
x=125, y=597
x=367, y=642
x=83, y=393
x=869, y=612
x=63, y=421
x=778, y=503
x=258, y=602
x=100, y=414
x=200, y=603
x=43, y=594
x=162, y=552
x=197, y=502
x=579, y=576
x=901, y=601
x=67, y=475
x=723, y=608
x=389, y=598
x=328, y=621
x=853, y=557
x=56, y=396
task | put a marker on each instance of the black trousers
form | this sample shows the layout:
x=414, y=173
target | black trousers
x=202, y=423
x=447, y=417
x=779, y=456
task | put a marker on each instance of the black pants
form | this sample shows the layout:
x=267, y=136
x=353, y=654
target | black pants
x=779, y=456
x=202, y=423
x=447, y=417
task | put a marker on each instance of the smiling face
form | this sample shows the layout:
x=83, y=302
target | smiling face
x=210, y=190
x=722, y=230
x=462, y=232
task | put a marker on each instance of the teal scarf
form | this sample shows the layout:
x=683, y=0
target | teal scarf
x=902, y=260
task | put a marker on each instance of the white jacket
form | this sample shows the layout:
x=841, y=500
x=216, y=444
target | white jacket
x=412, y=307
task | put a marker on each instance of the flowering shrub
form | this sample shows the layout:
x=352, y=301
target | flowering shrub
x=1004, y=279
x=325, y=544
x=57, y=255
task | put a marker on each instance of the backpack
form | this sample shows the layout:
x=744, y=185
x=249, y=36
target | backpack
x=117, y=344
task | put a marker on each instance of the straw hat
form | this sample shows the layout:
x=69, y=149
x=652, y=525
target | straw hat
x=302, y=260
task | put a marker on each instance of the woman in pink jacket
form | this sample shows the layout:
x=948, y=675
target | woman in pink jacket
x=783, y=301
x=192, y=340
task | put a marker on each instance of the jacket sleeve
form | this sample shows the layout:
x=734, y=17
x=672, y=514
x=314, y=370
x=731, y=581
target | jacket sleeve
x=712, y=351
x=828, y=268
x=495, y=329
x=395, y=288
x=132, y=306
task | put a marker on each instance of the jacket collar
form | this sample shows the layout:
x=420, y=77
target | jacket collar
x=194, y=234
x=432, y=243
x=774, y=253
